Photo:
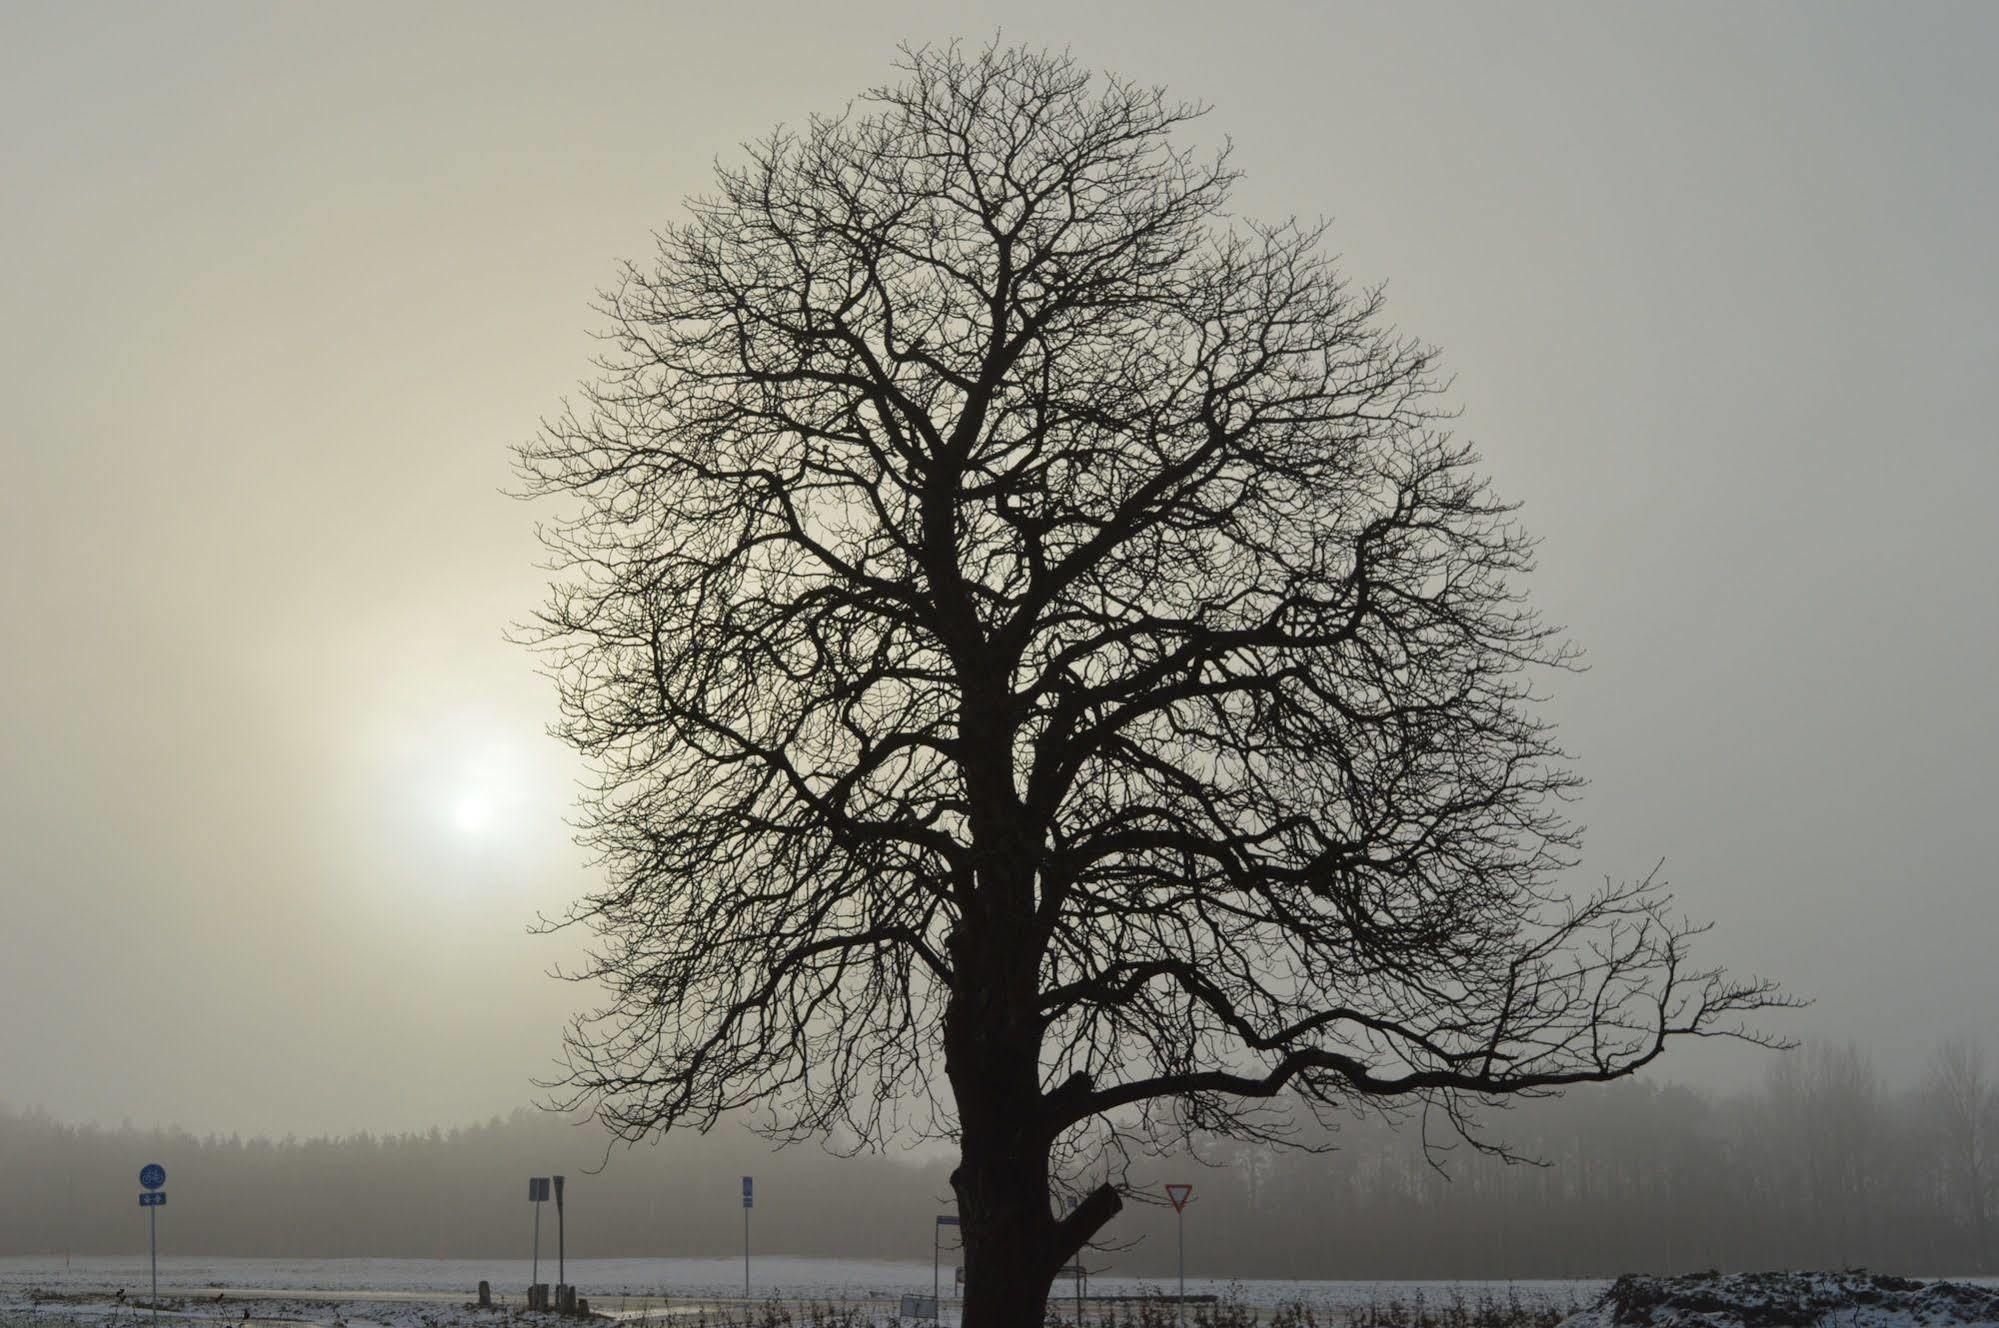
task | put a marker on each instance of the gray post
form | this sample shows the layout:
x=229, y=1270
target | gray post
x=1183, y=1264
x=749, y=1191
x=561, y=1270
x=535, y=1280
x=936, y=1245
x=153, y=1244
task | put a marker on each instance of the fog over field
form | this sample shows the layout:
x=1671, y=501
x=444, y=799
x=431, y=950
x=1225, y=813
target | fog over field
x=1822, y=1165
x=1715, y=291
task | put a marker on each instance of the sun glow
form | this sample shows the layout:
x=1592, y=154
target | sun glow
x=459, y=782
x=473, y=813
x=480, y=791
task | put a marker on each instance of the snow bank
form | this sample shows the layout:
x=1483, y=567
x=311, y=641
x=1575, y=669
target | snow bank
x=1788, y=1300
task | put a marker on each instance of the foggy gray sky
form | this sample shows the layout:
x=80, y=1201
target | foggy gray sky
x=282, y=284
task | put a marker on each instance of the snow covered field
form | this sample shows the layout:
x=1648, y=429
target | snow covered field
x=409, y=1293
x=435, y=1293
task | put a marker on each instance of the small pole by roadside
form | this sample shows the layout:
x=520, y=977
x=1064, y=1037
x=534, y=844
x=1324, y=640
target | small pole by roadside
x=152, y=1176
x=1179, y=1194
x=749, y=1197
x=537, y=1195
x=561, y=1266
x=936, y=1248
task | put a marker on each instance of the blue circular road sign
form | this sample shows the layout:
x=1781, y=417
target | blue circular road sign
x=153, y=1176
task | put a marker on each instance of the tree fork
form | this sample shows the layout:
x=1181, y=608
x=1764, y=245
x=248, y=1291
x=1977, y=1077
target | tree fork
x=1014, y=1244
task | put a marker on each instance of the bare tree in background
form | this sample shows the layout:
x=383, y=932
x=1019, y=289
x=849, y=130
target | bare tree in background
x=1031, y=625
x=1963, y=1105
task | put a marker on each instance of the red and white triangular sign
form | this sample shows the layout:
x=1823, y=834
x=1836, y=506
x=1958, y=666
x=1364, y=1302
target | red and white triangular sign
x=1179, y=1194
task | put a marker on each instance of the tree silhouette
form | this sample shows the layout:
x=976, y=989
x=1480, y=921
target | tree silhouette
x=1031, y=625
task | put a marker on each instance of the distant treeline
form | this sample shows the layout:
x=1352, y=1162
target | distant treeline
x=1823, y=1166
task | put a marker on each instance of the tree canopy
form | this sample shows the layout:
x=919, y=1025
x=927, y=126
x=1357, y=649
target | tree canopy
x=1037, y=633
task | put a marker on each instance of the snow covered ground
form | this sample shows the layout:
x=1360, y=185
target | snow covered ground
x=431, y=1293
x=1807, y=1300
x=54, y=1292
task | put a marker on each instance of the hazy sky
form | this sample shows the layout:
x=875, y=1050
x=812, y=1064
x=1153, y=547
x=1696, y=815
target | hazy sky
x=283, y=282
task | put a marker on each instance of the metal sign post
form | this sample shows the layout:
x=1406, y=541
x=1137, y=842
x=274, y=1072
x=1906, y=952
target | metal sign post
x=537, y=1194
x=152, y=1176
x=749, y=1197
x=936, y=1247
x=1081, y=1274
x=561, y=1250
x=1179, y=1194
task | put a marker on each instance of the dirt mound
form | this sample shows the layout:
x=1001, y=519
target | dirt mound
x=1788, y=1300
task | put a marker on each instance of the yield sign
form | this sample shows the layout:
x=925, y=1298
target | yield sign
x=1179, y=1194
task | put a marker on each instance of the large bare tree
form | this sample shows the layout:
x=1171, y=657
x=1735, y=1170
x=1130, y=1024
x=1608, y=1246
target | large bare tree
x=1036, y=637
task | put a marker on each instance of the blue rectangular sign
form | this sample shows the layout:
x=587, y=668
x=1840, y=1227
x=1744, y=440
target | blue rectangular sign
x=749, y=1189
x=153, y=1199
x=947, y=1221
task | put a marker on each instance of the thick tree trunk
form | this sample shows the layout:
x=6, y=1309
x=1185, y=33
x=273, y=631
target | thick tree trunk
x=1014, y=1243
x=1002, y=1176
x=1009, y=1260
x=992, y=1053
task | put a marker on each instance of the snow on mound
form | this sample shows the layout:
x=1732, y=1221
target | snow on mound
x=1788, y=1300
